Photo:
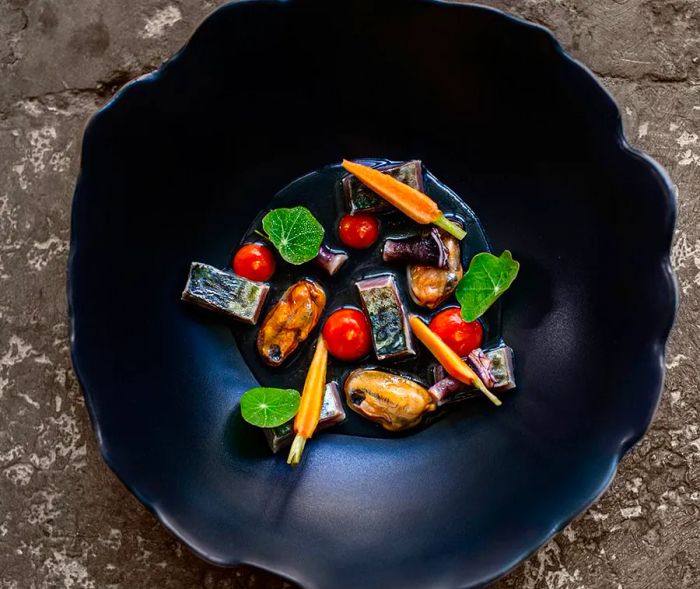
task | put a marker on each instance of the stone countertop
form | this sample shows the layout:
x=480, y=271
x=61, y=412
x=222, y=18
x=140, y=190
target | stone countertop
x=66, y=521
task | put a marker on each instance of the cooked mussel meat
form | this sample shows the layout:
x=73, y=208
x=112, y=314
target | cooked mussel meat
x=392, y=400
x=290, y=321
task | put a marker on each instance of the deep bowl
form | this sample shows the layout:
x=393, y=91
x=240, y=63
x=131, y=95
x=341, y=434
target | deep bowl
x=177, y=165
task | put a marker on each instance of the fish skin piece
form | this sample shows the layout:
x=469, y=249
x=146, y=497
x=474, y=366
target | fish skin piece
x=224, y=292
x=392, y=338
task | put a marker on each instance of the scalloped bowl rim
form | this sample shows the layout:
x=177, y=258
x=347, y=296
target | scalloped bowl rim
x=625, y=444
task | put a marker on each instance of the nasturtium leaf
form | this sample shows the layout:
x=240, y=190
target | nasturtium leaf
x=269, y=407
x=295, y=233
x=487, y=279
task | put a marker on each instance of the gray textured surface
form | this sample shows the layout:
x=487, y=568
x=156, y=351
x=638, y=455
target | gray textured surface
x=65, y=521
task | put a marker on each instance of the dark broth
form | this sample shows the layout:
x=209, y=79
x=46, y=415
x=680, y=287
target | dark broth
x=321, y=192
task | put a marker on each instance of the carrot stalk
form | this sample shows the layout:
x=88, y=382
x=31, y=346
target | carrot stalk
x=452, y=228
x=411, y=202
x=309, y=412
x=453, y=364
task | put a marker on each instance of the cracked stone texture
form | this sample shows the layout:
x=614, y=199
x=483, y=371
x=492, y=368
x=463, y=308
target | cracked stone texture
x=66, y=521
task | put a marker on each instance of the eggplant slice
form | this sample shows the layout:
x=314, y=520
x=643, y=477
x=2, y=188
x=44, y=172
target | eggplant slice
x=426, y=249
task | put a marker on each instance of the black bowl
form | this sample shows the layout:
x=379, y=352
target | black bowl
x=179, y=163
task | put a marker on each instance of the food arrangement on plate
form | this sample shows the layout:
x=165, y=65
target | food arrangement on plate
x=370, y=342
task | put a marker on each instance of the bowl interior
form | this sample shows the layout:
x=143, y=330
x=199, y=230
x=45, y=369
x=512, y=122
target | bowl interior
x=178, y=166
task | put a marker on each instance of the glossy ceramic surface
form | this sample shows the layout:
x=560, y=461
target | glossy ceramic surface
x=176, y=167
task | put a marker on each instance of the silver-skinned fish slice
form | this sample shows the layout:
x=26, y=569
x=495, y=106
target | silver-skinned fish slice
x=391, y=335
x=226, y=293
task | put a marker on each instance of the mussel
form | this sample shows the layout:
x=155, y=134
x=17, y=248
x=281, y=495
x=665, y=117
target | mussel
x=430, y=286
x=392, y=400
x=290, y=321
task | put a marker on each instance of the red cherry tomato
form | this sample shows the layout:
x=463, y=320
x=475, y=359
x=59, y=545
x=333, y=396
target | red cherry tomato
x=462, y=336
x=347, y=334
x=254, y=261
x=358, y=231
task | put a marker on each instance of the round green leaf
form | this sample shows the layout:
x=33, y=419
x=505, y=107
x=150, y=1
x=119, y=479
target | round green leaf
x=487, y=279
x=269, y=407
x=295, y=233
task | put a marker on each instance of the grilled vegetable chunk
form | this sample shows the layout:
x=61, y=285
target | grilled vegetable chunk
x=332, y=413
x=391, y=336
x=359, y=198
x=330, y=260
x=290, y=321
x=427, y=249
x=234, y=296
x=394, y=401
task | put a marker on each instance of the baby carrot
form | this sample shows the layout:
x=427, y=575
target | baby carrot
x=309, y=412
x=411, y=202
x=453, y=364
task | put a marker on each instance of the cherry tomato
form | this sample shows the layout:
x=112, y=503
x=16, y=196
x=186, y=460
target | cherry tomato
x=358, y=231
x=462, y=336
x=347, y=334
x=254, y=261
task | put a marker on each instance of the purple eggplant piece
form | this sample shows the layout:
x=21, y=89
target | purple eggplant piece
x=450, y=390
x=330, y=260
x=426, y=249
x=443, y=390
x=481, y=364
